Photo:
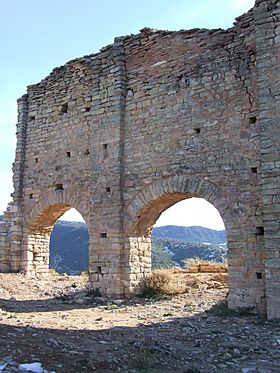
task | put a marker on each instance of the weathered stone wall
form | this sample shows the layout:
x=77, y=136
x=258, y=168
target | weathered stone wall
x=267, y=18
x=4, y=247
x=150, y=120
x=191, y=110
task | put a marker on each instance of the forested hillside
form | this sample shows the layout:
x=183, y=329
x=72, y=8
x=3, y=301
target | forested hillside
x=69, y=247
x=179, y=250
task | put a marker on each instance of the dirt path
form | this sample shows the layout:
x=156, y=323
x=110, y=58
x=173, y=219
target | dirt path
x=70, y=331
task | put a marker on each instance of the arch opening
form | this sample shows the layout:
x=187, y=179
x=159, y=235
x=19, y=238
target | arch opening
x=151, y=203
x=57, y=239
x=191, y=228
x=69, y=244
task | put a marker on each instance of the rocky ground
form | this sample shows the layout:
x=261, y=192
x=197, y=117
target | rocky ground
x=59, y=323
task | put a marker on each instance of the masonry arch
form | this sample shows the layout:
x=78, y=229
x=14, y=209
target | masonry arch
x=39, y=225
x=63, y=200
x=158, y=196
x=155, y=198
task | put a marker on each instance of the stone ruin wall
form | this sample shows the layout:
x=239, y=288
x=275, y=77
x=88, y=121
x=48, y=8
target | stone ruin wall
x=267, y=18
x=150, y=120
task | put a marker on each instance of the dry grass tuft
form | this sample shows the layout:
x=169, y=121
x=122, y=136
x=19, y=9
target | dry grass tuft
x=52, y=272
x=84, y=274
x=162, y=281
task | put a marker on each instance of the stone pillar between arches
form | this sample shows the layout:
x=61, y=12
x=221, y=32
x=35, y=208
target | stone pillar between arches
x=138, y=263
x=118, y=265
x=106, y=264
x=35, y=252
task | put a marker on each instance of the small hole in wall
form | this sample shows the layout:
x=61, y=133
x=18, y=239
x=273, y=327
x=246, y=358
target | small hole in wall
x=59, y=187
x=254, y=170
x=130, y=92
x=64, y=108
x=103, y=235
x=31, y=196
x=36, y=160
x=197, y=130
x=108, y=189
x=32, y=117
x=259, y=275
x=98, y=270
x=259, y=231
x=68, y=154
x=105, y=150
x=252, y=120
x=87, y=109
x=87, y=152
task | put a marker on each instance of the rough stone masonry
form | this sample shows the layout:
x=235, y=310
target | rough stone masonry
x=148, y=121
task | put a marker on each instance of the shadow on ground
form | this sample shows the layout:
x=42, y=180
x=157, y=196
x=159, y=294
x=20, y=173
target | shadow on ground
x=202, y=342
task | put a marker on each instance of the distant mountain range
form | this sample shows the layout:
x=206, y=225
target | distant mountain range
x=191, y=234
x=171, y=244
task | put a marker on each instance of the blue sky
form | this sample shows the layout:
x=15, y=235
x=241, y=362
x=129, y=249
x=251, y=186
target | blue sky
x=37, y=36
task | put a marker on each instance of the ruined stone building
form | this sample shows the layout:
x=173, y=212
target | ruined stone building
x=150, y=120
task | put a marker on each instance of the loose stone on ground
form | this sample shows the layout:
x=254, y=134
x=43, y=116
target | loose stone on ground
x=40, y=323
